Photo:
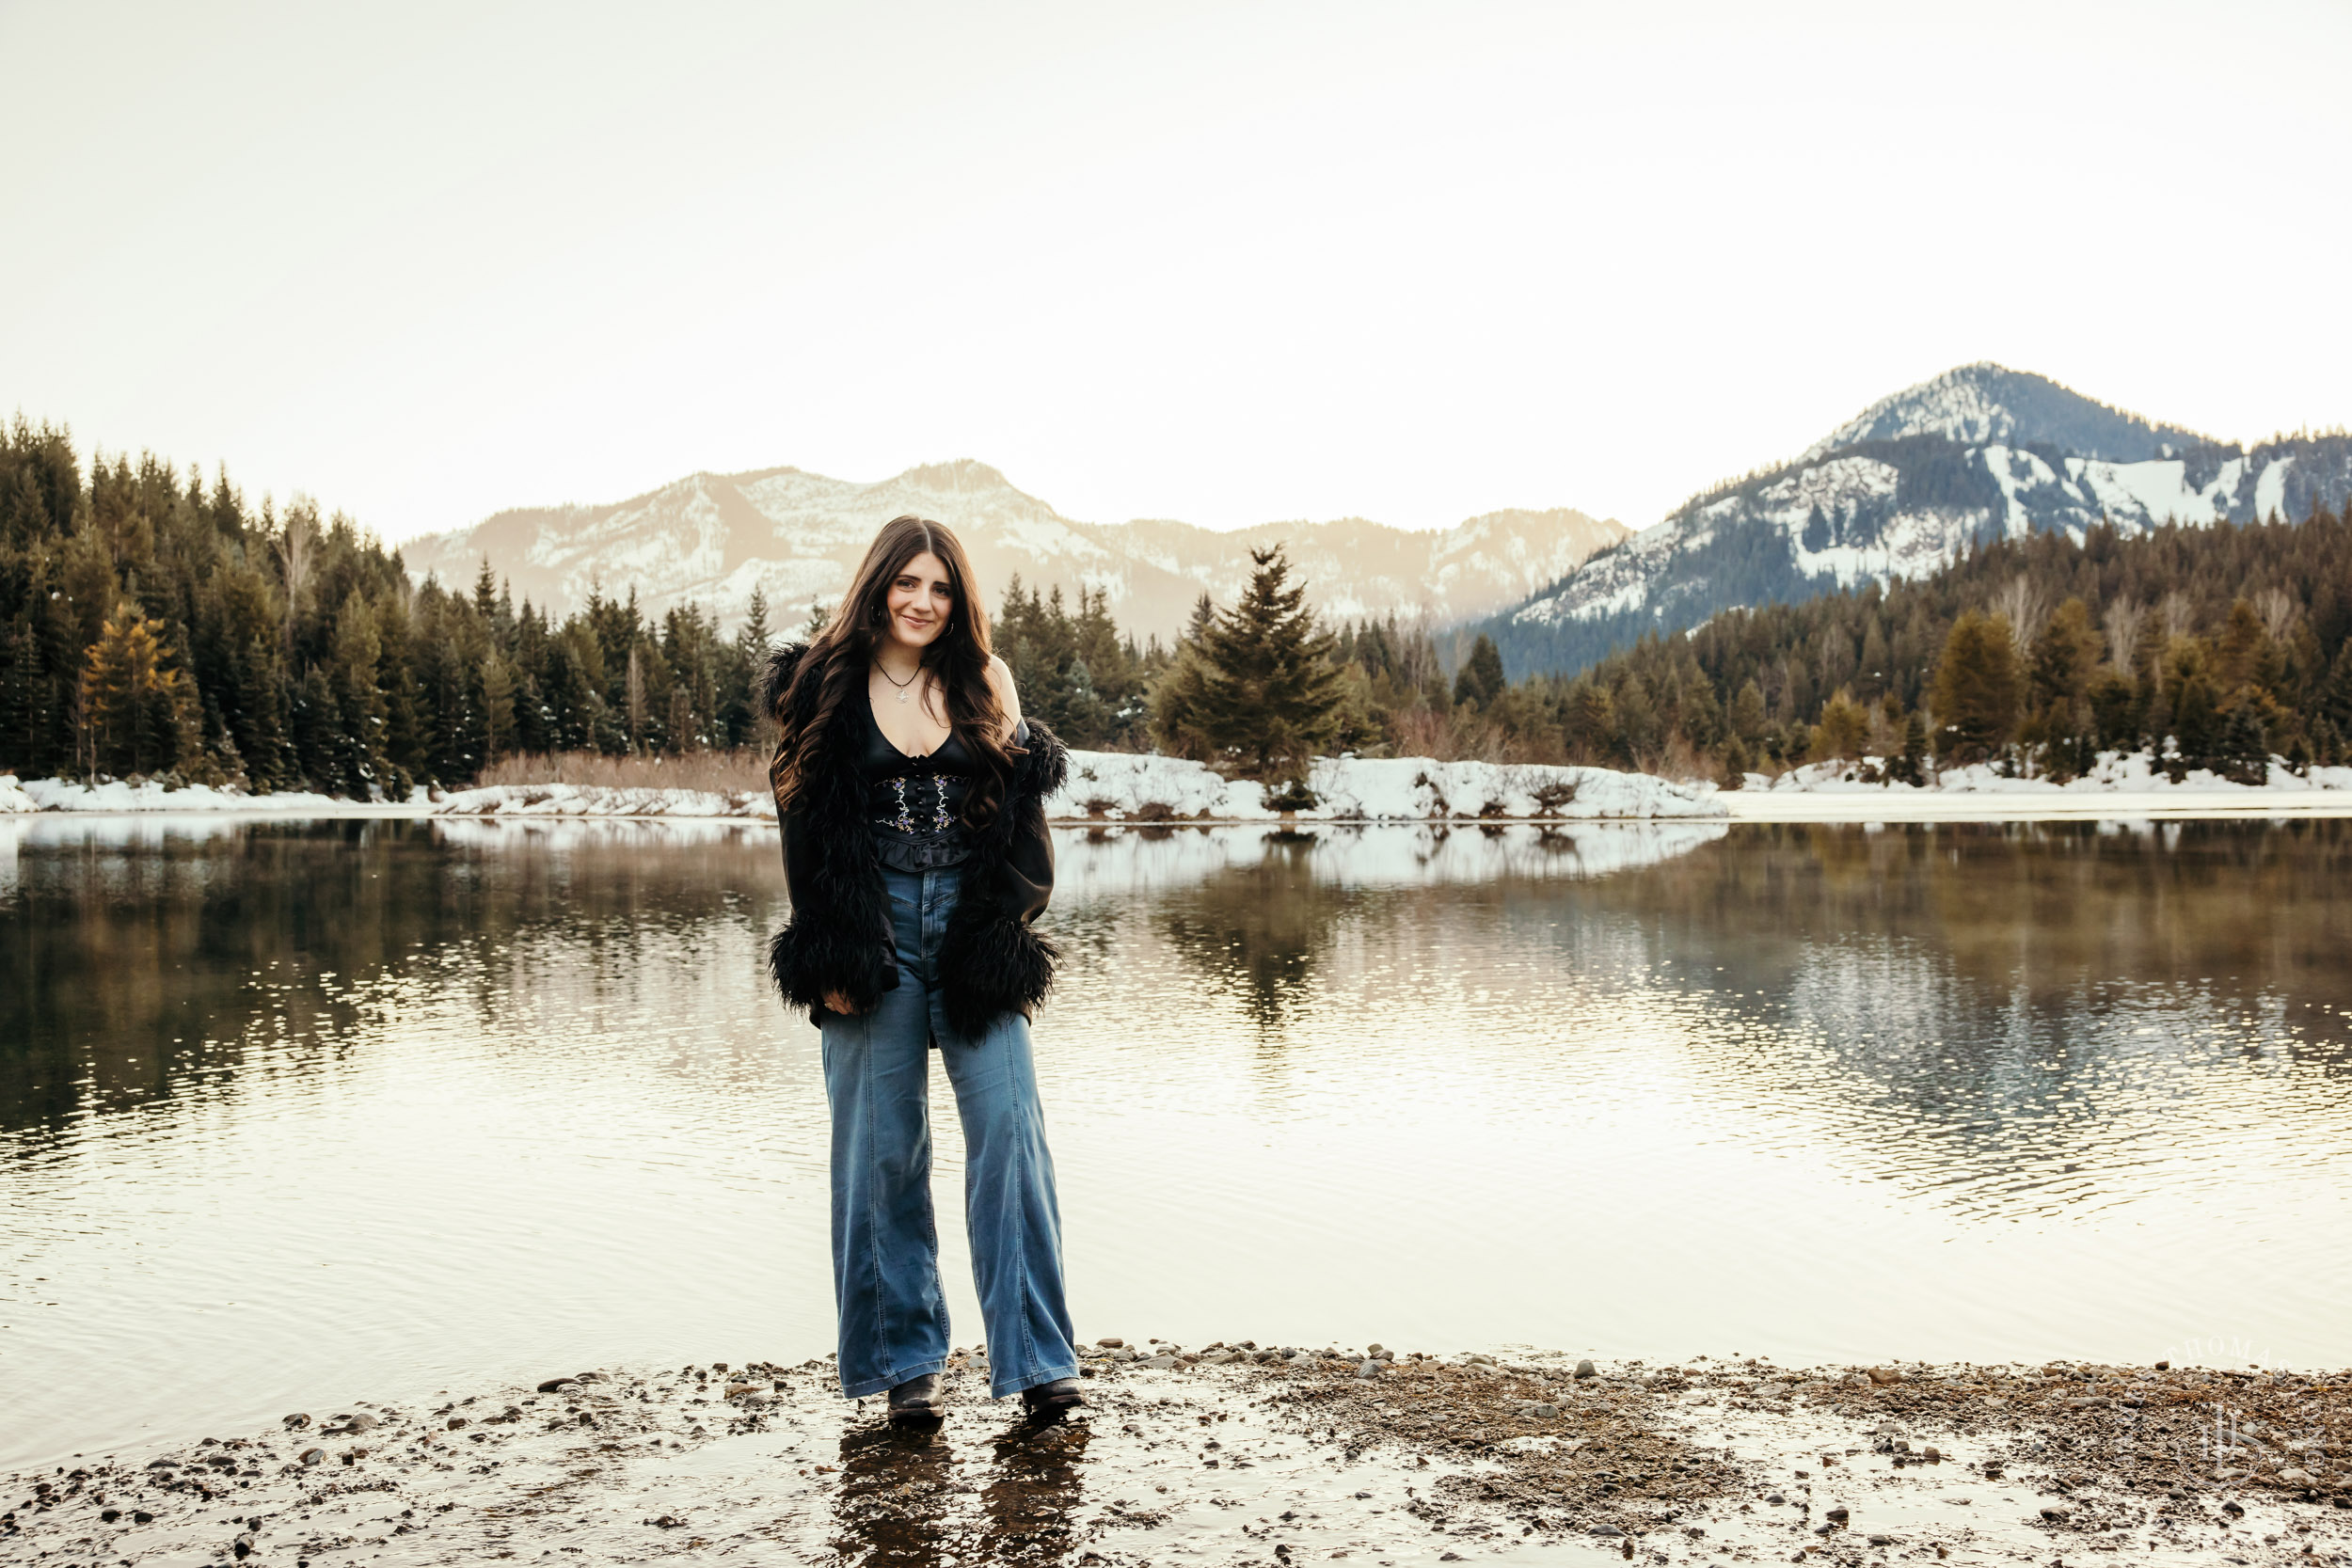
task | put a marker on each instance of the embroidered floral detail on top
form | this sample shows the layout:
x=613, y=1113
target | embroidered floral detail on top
x=903, y=820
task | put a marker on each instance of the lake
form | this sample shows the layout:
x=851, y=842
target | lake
x=292, y=1114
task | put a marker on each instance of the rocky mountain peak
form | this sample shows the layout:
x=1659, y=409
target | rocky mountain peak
x=1985, y=403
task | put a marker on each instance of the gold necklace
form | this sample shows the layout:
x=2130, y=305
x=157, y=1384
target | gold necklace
x=903, y=686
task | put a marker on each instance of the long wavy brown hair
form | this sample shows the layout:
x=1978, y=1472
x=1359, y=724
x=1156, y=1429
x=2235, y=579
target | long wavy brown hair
x=835, y=667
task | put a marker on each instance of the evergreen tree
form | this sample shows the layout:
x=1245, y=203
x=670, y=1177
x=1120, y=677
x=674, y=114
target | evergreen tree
x=1844, y=729
x=1978, y=686
x=137, y=706
x=1736, y=764
x=1261, y=692
x=1909, y=763
x=1481, y=678
x=1747, y=713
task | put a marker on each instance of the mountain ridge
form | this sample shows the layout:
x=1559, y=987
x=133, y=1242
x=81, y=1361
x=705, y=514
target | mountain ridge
x=795, y=535
x=1981, y=452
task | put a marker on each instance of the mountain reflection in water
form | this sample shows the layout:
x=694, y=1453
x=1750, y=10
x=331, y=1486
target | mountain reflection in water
x=304, y=1111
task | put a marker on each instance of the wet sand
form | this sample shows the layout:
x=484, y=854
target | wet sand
x=1191, y=1457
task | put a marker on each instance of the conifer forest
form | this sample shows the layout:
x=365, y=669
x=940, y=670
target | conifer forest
x=153, y=625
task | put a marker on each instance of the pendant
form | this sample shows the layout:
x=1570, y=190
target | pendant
x=902, y=696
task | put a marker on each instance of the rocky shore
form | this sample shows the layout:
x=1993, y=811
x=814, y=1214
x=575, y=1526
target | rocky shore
x=1265, y=1455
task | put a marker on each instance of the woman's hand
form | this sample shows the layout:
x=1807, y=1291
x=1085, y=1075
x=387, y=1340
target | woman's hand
x=836, y=1003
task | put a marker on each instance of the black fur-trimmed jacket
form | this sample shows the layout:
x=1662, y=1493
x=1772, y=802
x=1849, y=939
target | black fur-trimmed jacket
x=992, y=961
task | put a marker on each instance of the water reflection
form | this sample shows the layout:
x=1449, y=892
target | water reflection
x=1258, y=932
x=436, y=1099
x=144, y=960
x=901, y=1504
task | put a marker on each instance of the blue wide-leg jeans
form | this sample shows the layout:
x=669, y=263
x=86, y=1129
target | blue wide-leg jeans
x=885, y=1246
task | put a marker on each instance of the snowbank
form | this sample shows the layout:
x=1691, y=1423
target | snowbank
x=149, y=796
x=2128, y=772
x=558, y=799
x=2122, y=786
x=1102, y=785
x=1111, y=787
x=1115, y=786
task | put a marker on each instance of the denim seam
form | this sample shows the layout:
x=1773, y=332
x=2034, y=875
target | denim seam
x=1021, y=1241
x=873, y=1216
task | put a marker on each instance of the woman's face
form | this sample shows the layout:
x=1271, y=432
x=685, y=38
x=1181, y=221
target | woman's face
x=921, y=602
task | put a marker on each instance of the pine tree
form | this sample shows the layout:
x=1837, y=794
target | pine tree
x=135, y=701
x=1588, y=723
x=1844, y=729
x=1909, y=763
x=2065, y=655
x=1979, y=685
x=2245, y=750
x=1747, y=713
x=1481, y=678
x=1261, y=692
x=1736, y=764
x=498, y=708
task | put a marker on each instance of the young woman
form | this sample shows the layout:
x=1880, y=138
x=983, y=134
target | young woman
x=912, y=795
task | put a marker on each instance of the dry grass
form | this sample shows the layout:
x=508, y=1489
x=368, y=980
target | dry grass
x=717, y=772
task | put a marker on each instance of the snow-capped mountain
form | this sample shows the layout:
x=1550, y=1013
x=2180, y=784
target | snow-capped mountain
x=711, y=538
x=1980, y=451
x=1984, y=404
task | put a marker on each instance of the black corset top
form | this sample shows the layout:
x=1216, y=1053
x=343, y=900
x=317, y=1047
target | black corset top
x=915, y=804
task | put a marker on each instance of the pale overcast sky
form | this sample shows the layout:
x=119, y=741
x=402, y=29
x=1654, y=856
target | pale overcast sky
x=1227, y=263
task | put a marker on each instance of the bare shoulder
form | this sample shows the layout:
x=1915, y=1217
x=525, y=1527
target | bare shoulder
x=1000, y=680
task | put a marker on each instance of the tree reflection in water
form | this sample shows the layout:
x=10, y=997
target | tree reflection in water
x=1256, y=932
x=140, y=959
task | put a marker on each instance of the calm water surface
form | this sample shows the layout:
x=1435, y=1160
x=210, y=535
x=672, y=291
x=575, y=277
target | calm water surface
x=293, y=1114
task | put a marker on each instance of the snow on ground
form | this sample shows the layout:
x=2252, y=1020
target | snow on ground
x=559, y=799
x=1116, y=786
x=2124, y=771
x=117, y=795
x=2123, y=784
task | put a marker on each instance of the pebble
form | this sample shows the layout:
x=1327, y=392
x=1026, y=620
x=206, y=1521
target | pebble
x=297, y=1423
x=552, y=1385
x=1880, y=1539
x=1155, y=1361
x=314, y=1456
x=1585, y=1369
x=1837, y=1515
x=1370, y=1368
x=1605, y=1529
x=1113, y=1341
